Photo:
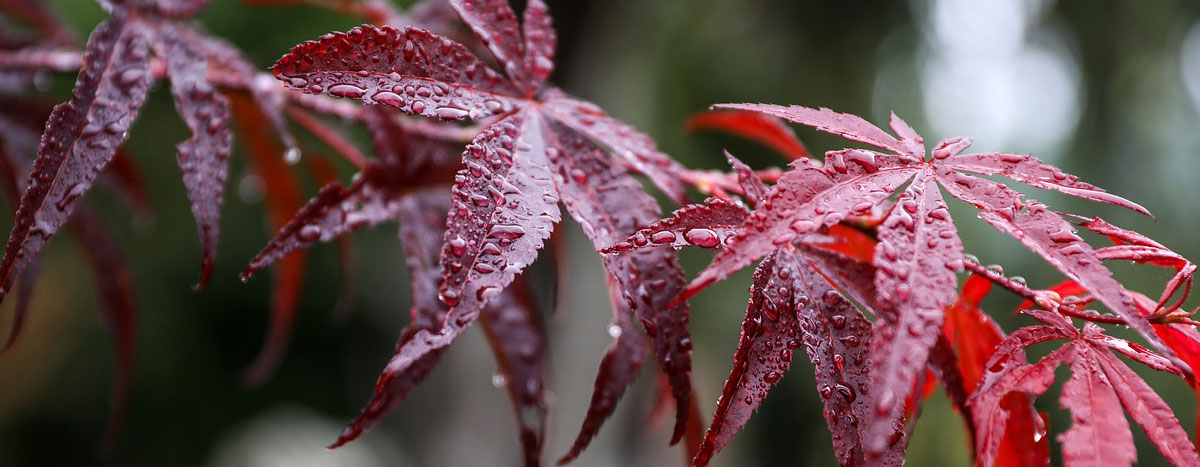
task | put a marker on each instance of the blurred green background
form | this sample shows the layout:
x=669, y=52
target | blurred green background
x=1106, y=90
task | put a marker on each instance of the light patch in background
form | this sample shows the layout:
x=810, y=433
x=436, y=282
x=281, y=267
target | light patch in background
x=1189, y=64
x=292, y=436
x=991, y=71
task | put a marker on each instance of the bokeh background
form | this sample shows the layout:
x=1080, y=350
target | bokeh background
x=1107, y=90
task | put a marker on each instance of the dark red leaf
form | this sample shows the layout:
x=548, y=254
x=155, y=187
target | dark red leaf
x=540, y=42
x=754, y=126
x=705, y=225
x=1099, y=434
x=117, y=310
x=1048, y=235
x=851, y=127
x=1013, y=376
x=325, y=218
x=417, y=71
x=1149, y=411
x=638, y=150
x=752, y=186
x=609, y=204
x=180, y=8
x=974, y=337
x=489, y=239
x=422, y=231
x=912, y=142
x=81, y=137
x=1031, y=171
x=204, y=158
x=620, y=366
x=495, y=24
x=505, y=205
x=918, y=254
x=514, y=329
x=836, y=337
x=807, y=199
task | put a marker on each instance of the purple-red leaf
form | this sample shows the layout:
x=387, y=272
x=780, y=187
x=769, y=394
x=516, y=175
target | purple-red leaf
x=849, y=126
x=204, y=158
x=705, y=225
x=540, y=42
x=756, y=191
x=975, y=337
x=424, y=225
x=117, y=305
x=805, y=200
x=495, y=24
x=1148, y=410
x=505, y=205
x=609, y=204
x=416, y=71
x=327, y=217
x=499, y=220
x=1031, y=171
x=514, y=329
x=1099, y=434
x=81, y=137
x=1048, y=235
x=638, y=150
x=764, y=352
x=991, y=418
x=918, y=254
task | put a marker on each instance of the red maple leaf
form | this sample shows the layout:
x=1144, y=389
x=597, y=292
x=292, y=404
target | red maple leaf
x=540, y=147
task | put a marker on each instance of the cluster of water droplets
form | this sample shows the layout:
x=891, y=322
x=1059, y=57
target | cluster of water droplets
x=82, y=136
x=413, y=70
x=505, y=204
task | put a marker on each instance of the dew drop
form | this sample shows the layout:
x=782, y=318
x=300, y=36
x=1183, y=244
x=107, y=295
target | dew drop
x=450, y=113
x=389, y=98
x=662, y=237
x=291, y=156
x=458, y=246
x=309, y=233
x=704, y=238
x=346, y=90
x=507, y=232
